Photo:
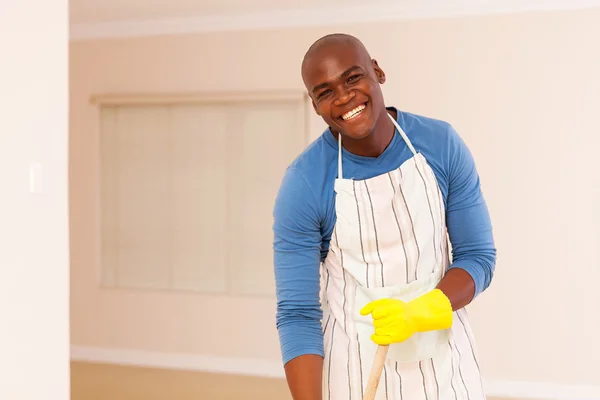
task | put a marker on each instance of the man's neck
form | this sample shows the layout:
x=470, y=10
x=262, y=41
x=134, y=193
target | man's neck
x=375, y=144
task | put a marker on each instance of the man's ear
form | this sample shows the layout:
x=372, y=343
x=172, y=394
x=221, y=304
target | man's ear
x=378, y=72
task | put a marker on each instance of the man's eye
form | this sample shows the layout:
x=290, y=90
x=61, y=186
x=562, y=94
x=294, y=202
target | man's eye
x=324, y=93
x=353, y=78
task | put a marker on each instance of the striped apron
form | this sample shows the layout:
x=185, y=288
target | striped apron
x=390, y=240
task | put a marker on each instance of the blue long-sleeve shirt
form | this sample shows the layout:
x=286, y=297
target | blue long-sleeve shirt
x=304, y=216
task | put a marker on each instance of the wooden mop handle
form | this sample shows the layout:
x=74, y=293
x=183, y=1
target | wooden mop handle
x=376, y=371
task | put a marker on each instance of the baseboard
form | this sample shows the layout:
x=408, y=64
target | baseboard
x=189, y=362
x=274, y=369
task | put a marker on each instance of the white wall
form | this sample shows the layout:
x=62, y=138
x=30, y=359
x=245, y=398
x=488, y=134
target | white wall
x=34, y=288
x=522, y=90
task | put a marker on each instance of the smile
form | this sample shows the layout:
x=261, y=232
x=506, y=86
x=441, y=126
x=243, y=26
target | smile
x=353, y=113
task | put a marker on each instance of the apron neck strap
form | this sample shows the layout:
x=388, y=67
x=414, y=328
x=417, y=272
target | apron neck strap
x=340, y=176
x=404, y=137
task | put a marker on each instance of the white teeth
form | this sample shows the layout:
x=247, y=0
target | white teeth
x=353, y=113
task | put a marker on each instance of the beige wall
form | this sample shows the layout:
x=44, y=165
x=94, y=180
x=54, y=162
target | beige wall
x=523, y=91
x=34, y=260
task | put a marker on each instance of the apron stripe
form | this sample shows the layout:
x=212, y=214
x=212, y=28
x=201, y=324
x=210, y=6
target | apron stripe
x=444, y=239
x=437, y=385
x=430, y=212
x=330, y=353
x=392, y=385
x=344, y=301
x=331, y=340
x=369, y=237
x=327, y=284
x=470, y=340
x=453, y=377
x=346, y=330
x=442, y=223
x=399, y=380
x=326, y=323
x=398, y=223
x=386, y=381
x=362, y=249
x=344, y=310
x=375, y=231
x=327, y=301
x=424, y=382
x=412, y=227
x=349, y=378
x=458, y=361
x=362, y=389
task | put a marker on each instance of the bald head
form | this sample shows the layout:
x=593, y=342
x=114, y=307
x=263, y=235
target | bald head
x=334, y=40
x=334, y=43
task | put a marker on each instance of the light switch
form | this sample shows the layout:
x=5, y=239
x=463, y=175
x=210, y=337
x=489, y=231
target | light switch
x=35, y=178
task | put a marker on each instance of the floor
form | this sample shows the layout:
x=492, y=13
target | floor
x=110, y=382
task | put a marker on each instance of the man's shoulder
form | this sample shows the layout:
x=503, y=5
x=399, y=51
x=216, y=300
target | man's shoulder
x=439, y=142
x=314, y=162
x=306, y=182
x=433, y=136
x=419, y=124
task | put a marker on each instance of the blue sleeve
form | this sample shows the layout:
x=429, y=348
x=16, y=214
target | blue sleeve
x=297, y=245
x=467, y=216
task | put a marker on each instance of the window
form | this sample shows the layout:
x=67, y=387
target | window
x=187, y=190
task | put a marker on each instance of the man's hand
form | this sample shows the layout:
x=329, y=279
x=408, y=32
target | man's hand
x=396, y=320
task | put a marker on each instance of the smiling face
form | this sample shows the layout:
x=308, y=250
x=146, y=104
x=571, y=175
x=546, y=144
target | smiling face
x=344, y=85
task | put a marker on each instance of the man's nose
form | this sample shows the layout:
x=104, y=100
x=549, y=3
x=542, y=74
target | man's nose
x=344, y=96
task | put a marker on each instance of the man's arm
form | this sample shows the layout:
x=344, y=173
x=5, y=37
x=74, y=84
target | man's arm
x=304, y=377
x=469, y=228
x=297, y=246
x=458, y=285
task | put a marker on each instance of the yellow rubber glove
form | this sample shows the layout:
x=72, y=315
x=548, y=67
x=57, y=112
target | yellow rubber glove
x=396, y=320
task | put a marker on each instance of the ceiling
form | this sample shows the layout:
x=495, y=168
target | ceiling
x=94, y=19
x=86, y=11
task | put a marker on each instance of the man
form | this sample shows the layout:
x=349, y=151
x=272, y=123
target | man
x=361, y=223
